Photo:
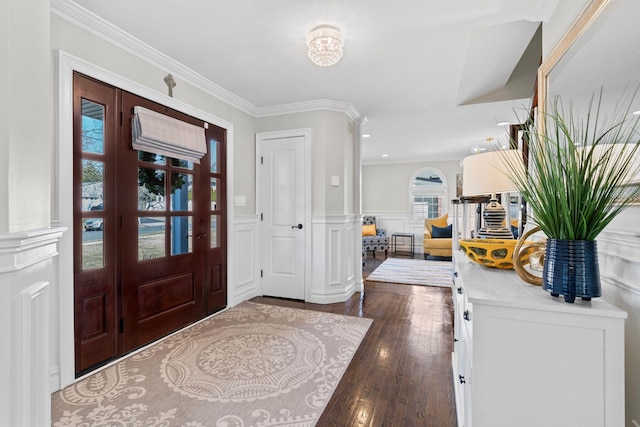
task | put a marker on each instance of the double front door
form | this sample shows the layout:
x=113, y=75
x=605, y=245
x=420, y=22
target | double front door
x=149, y=230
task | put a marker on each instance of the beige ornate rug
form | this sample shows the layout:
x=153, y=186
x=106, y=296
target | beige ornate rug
x=413, y=272
x=252, y=365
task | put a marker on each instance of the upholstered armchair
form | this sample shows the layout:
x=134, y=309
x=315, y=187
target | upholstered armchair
x=437, y=237
x=373, y=238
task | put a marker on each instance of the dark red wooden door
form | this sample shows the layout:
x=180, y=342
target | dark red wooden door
x=162, y=223
x=94, y=209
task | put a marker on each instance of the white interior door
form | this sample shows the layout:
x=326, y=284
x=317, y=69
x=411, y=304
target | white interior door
x=283, y=224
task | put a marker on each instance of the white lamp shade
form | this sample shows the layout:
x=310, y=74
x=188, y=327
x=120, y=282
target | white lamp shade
x=615, y=151
x=489, y=173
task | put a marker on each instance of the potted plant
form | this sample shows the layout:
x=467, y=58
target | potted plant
x=579, y=177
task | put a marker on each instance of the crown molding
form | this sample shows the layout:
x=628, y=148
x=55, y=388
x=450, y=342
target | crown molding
x=306, y=106
x=83, y=18
x=77, y=15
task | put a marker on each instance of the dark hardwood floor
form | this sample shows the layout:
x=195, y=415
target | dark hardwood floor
x=401, y=373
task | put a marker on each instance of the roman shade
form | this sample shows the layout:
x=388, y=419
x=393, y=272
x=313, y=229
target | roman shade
x=160, y=134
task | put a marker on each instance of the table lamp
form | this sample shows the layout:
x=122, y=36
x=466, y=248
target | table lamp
x=488, y=173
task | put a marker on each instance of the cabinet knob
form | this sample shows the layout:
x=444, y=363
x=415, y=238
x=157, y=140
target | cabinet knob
x=462, y=380
x=455, y=274
x=459, y=290
x=466, y=315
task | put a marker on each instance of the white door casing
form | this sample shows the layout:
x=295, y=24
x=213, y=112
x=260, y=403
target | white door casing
x=282, y=183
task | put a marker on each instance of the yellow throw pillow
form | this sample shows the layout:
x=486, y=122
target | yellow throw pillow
x=369, y=230
x=441, y=221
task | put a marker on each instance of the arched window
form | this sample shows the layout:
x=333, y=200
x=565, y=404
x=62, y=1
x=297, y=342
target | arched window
x=427, y=194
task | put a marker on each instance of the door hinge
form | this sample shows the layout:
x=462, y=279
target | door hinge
x=262, y=160
x=261, y=217
x=121, y=117
x=261, y=273
x=121, y=326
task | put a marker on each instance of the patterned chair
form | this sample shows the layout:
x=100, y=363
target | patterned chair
x=379, y=242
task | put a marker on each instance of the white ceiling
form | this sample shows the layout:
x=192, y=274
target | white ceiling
x=431, y=77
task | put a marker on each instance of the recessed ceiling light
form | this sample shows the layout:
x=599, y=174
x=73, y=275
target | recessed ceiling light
x=366, y=135
x=385, y=155
x=636, y=113
x=503, y=123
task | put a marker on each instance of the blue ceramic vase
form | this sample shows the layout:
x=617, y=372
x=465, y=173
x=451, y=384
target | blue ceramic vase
x=571, y=269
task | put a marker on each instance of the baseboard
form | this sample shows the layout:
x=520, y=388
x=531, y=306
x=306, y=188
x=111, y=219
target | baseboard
x=331, y=297
x=245, y=295
x=54, y=380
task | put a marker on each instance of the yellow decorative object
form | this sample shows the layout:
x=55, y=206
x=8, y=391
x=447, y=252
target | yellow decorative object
x=532, y=253
x=369, y=230
x=497, y=253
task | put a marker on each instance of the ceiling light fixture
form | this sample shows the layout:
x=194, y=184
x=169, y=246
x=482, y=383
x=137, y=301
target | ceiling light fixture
x=325, y=45
x=503, y=123
x=385, y=155
x=366, y=135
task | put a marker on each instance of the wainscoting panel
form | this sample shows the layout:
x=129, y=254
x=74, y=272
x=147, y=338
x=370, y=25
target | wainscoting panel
x=247, y=259
x=33, y=360
x=26, y=293
x=619, y=260
x=333, y=258
x=401, y=223
x=350, y=261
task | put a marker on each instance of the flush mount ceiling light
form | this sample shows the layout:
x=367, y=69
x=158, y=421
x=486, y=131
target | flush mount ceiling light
x=325, y=45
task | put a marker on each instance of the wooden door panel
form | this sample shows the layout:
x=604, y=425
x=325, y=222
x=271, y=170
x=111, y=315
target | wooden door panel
x=163, y=294
x=216, y=243
x=135, y=290
x=94, y=281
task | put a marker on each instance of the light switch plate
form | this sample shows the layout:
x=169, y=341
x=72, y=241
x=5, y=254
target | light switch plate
x=335, y=181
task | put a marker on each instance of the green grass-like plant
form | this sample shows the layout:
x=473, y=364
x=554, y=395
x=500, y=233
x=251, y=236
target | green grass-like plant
x=579, y=168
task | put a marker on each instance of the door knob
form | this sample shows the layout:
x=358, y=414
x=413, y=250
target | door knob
x=299, y=226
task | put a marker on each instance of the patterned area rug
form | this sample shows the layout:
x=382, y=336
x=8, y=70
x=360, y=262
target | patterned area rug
x=252, y=365
x=413, y=272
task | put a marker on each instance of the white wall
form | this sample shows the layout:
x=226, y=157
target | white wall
x=385, y=188
x=385, y=194
x=329, y=145
x=25, y=116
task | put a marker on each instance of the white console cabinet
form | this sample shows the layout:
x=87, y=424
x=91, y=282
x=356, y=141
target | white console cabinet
x=523, y=358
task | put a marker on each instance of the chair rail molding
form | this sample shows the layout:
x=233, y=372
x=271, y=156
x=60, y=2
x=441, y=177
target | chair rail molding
x=23, y=249
x=619, y=259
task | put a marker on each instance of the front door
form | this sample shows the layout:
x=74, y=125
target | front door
x=150, y=239
x=163, y=214
x=283, y=207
